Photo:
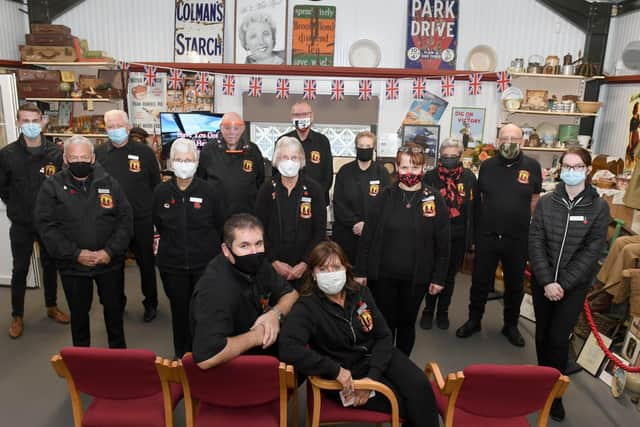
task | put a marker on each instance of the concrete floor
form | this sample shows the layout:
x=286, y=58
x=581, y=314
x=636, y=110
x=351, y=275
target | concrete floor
x=33, y=396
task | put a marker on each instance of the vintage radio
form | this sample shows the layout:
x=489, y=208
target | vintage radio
x=48, y=54
x=49, y=39
x=35, y=75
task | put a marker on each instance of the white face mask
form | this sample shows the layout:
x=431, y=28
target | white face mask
x=331, y=282
x=184, y=170
x=302, y=123
x=288, y=168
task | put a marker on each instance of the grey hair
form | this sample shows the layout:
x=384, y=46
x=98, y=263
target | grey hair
x=287, y=142
x=77, y=140
x=116, y=112
x=184, y=145
x=452, y=142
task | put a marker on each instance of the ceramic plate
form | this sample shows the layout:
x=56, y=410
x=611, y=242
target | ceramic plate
x=482, y=58
x=364, y=53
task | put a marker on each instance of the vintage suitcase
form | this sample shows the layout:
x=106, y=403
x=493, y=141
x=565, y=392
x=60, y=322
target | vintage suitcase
x=50, y=28
x=49, y=39
x=48, y=54
x=33, y=75
x=39, y=89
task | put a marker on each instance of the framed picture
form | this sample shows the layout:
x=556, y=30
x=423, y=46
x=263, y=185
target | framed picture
x=631, y=348
x=467, y=124
x=425, y=111
x=427, y=136
x=199, y=31
x=537, y=99
x=591, y=356
x=65, y=114
x=261, y=32
x=608, y=370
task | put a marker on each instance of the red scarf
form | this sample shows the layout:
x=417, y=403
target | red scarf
x=450, y=178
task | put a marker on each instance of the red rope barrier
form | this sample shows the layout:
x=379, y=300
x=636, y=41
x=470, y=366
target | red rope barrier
x=607, y=352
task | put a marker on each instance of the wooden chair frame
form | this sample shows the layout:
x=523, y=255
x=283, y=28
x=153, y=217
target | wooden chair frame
x=318, y=384
x=287, y=384
x=76, y=404
x=453, y=384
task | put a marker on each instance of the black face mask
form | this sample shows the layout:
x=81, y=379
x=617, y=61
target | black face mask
x=364, y=154
x=450, y=162
x=81, y=169
x=249, y=264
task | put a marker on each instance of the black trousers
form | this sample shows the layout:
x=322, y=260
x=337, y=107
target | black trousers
x=142, y=247
x=79, y=292
x=178, y=285
x=22, y=238
x=443, y=299
x=554, y=322
x=399, y=302
x=347, y=241
x=512, y=252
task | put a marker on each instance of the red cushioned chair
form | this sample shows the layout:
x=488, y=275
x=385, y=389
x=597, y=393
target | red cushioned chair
x=128, y=387
x=496, y=395
x=325, y=410
x=246, y=391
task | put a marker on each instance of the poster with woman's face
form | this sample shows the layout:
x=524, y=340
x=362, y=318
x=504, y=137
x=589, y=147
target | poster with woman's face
x=261, y=32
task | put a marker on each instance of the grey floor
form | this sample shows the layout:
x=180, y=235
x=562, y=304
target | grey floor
x=33, y=396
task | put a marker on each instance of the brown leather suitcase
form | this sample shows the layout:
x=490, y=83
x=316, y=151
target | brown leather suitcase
x=39, y=89
x=34, y=75
x=48, y=54
x=49, y=39
x=50, y=28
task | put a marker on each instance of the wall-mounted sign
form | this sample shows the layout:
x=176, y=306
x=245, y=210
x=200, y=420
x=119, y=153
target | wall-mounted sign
x=146, y=102
x=314, y=35
x=432, y=34
x=199, y=31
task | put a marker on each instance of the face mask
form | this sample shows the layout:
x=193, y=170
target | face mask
x=80, y=169
x=118, y=136
x=249, y=264
x=509, y=150
x=572, y=178
x=31, y=130
x=331, y=282
x=302, y=123
x=288, y=168
x=184, y=170
x=450, y=162
x=410, y=179
x=364, y=154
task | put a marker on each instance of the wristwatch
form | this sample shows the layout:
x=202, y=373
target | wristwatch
x=278, y=313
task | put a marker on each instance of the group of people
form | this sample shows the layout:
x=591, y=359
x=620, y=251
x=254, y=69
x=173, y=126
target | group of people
x=245, y=261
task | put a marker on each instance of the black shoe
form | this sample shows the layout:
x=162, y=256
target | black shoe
x=442, y=320
x=150, y=313
x=513, y=335
x=469, y=328
x=557, y=410
x=426, y=321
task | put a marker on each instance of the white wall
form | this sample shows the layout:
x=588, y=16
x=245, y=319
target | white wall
x=13, y=26
x=623, y=29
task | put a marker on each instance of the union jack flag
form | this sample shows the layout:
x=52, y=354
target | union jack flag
x=202, y=82
x=447, y=85
x=364, y=90
x=176, y=79
x=229, y=85
x=255, y=86
x=122, y=65
x=503, y=80
x=282, y=89
x=391, y=89
x=309, y=90
x=149, y=75
x=419, y=87
x=337, y=90
x=475, y=87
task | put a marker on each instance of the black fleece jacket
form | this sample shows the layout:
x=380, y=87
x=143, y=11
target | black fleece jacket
x=566, y=237
x=319, y=336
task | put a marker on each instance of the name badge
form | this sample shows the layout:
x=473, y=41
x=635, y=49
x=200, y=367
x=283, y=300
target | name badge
x=306, y=199
x=576, y=218
x=428, y=198
x=133, y=157
x=195, y=199
x=104, y=191
x=375, y=181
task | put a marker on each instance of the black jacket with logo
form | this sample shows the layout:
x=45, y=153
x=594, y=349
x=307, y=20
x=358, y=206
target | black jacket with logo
x=22, y=172
x=136, y=169
x=566, y=237
x=70, y=219
x=319, y=336
x=240, y=174
x=303, y=213
x=189, y=222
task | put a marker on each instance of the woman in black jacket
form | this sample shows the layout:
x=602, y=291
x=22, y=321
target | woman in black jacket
x=404, y=249
x=189, y=213
x=293, y=210
x=336, y=331
x=358, y=183
x=566, y=237
x=457, y=185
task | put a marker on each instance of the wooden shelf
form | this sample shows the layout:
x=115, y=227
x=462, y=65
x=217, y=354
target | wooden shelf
x=69, y=64
x=552, y=149
x=74, y=99
x=552, y=113
x=556, y=76
x=66, y=135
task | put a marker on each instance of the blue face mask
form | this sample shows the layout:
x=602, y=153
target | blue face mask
x=118, y=136
x=572, y=177
x=31, y=130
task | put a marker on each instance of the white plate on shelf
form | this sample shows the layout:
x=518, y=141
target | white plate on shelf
x=482, y=58
x=364, y=53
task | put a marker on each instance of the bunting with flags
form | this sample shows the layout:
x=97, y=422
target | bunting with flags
x=229, y=85
x=255, y=86
x=475, y=86
x=175, y=80
x=503, y=81
x=447, y=85
x=419, y=87
x=122, y=65
x=337, y=90
x=391, y=89
x=149, y=75
x=309, y=90
x=282, y=89
x=364, y=90
x=202, y=82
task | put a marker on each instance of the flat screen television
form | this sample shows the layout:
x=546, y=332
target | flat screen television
x=201, y=127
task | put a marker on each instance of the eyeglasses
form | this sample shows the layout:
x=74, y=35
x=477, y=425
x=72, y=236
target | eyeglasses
x=182, y=161
x=574, y=167
x=509, y=139
x=407, y=149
